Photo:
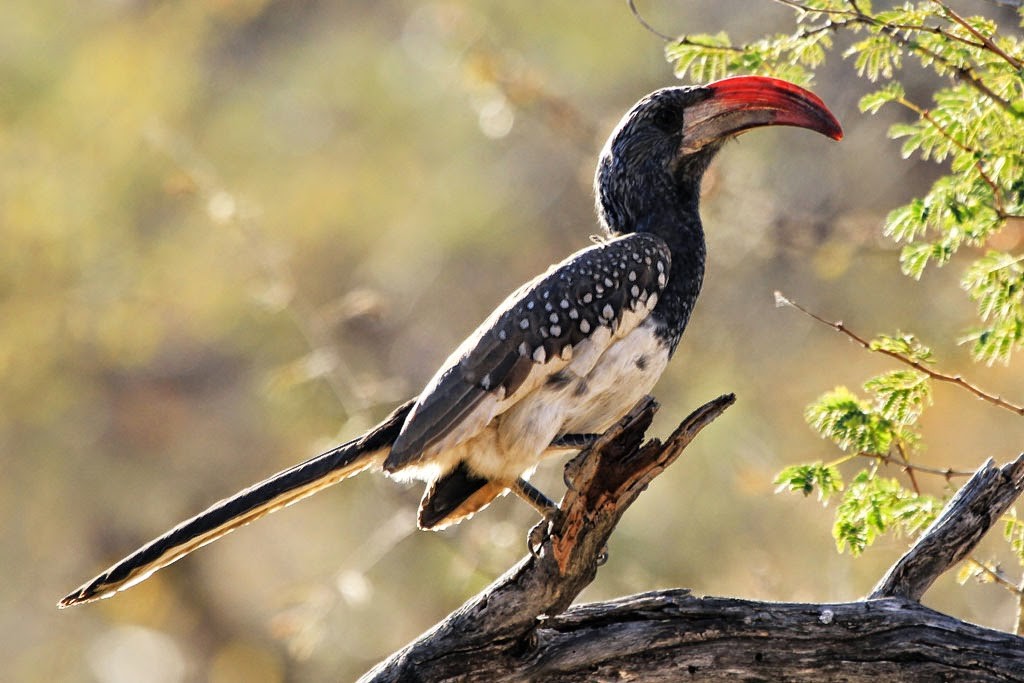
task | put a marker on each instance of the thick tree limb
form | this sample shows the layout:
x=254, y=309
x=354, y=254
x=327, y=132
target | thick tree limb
x=673, y=636
x=519, y=628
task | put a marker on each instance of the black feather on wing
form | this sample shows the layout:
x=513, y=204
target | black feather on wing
x=541, y=322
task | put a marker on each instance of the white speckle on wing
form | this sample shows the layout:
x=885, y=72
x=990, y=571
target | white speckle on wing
x=524, y=324
x=539, y=355
x=607, y=312
x=556, y=330
x=585, y=326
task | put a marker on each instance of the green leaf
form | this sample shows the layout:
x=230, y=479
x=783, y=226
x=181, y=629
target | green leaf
x=872, y=506
x=906, y=345
x=1013, y=532
x=900, y=395
x=704, y=57
x=914, y=257
x=997, y=342
x=995, y=283
x=875, y=57
x=907, y=222
x=806, y=478
x=874, y=101
x=850, y=422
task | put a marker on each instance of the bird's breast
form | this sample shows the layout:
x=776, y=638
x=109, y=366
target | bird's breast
x=624, y=374
x=587, y=396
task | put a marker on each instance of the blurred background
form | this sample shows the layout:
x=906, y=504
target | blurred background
x=237, y=232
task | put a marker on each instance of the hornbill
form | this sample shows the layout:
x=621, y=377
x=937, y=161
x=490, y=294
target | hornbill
x=564, y=356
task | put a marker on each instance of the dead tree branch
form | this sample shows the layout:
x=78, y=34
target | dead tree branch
x=955, y=532
x=521, y=627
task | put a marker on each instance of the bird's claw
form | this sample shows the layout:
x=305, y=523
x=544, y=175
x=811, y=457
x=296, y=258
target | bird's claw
x=567, y=479
x=542, y=532
x=538, y=536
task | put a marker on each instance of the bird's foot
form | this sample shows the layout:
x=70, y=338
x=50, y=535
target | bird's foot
x=541, y=533
x=581, y=441
x=538, y=536
x=577, y=441
x=535, y=497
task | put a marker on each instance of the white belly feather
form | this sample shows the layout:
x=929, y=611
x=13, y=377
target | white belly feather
x=589, y=394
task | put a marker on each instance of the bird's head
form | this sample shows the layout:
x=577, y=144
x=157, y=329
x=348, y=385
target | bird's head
x=660, y=149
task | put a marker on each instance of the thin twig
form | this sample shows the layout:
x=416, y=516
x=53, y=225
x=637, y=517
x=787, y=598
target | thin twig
x=997, y=575
x=907, y=467
x=799, y=7
x=885, y=459
x=839, y=326
x=985, y=40
x=643, y=22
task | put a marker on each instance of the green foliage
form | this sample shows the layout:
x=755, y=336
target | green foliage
x=891, y=92
x=905, y=345
x=806, y=478
x=709, y=57
x=850, y=422
x=974, y=125
x=873, y=427
x=901, y=395
x=1013, y=532
x=873, y=505
x=995, y=283
x=876, y=57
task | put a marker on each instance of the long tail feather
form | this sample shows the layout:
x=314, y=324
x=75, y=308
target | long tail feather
x=223, y=517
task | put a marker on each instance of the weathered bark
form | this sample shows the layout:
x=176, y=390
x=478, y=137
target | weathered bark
x=955, y=532
x=521, y=627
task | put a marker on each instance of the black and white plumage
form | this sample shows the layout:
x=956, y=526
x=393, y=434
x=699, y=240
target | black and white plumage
x=566, y=355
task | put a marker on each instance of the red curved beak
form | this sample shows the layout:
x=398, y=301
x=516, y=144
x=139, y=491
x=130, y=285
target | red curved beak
x=738, y=104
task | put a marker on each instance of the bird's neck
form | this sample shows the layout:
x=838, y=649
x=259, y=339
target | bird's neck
x=671, y=212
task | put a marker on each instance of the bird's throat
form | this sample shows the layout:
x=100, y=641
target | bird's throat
x=663, y=202
x=680, y=226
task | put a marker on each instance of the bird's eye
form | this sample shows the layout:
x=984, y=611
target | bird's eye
x=667, y=121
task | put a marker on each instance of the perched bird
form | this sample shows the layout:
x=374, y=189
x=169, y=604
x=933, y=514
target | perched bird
x=563, y=357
